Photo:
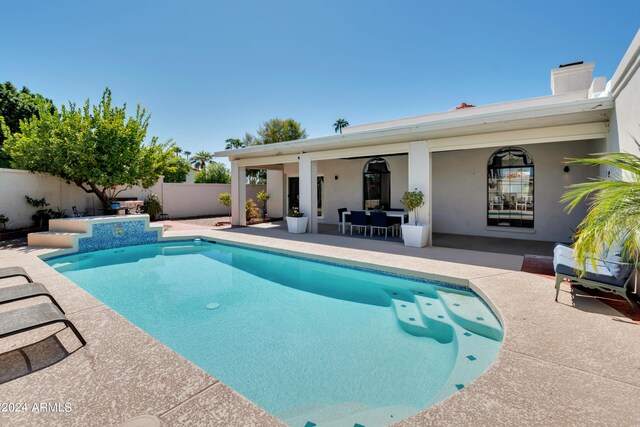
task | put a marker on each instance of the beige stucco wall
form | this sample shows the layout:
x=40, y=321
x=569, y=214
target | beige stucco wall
x=15, y=184
x=188, y=200
x=346, y=191
x=179, y=200
x=460, y=190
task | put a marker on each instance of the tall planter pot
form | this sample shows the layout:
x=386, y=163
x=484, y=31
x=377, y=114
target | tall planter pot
x=297, y=225
x=415, y=235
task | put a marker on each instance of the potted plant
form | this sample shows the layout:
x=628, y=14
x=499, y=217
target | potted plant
x=263, y=196
x=3, y=222
x=296, y=221
x=416, y=234
x=42, y=215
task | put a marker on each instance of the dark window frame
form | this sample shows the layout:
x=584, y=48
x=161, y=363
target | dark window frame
x=386, y=173
x=512, y=222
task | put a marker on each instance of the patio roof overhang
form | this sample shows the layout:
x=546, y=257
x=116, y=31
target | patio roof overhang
x=574, y=119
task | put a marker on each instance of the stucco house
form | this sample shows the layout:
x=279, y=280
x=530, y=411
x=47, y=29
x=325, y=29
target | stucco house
x=489, y=170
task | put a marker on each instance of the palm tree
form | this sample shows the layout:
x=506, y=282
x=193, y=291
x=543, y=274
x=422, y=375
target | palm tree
x=339, y=124
x=614, y=208
x=187, y=154
x=200, y=159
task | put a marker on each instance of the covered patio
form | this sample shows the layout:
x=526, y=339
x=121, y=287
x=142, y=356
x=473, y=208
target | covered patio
x=496, y=171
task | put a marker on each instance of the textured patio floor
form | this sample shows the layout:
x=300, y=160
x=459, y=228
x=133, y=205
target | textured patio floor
x=569, y=363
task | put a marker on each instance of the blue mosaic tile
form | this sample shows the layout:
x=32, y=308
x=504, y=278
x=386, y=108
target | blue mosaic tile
x=310, y=424
x=471, y=357
x=111, y=235
x=467, y=334
x=459, y=386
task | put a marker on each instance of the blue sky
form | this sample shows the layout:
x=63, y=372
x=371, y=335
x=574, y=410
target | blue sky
x=208, y=71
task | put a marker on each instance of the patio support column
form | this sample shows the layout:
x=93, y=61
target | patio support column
x=420, y=178
x=308, y=171
x=238, y=194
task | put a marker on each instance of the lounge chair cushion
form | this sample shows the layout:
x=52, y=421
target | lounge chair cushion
x=614, y=257
x=566, y=265
x=563, y=250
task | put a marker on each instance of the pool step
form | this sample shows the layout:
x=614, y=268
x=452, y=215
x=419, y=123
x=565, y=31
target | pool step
x=52, y=239
x=409, y=318
x=435, y=317
x=472, y=314
x=413, y=321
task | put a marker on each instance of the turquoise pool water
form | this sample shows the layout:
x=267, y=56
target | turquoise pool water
x=307, y=341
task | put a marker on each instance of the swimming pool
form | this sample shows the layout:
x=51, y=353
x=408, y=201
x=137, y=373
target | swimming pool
x=307, y=341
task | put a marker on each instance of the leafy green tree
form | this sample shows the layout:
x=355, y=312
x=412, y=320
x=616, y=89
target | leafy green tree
x=614, y=209
x=99, y=148
x=187, y=154
x=177, y=169
x=233, y=143
x=249, y=140
x=15, y=106
x=200, y=159
x=339, y=124
x=214, y=173
x=278, y=130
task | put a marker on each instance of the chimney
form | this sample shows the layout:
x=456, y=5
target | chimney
x=574, y=77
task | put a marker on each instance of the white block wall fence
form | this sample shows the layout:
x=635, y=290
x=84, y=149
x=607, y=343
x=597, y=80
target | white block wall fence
x=178, y=200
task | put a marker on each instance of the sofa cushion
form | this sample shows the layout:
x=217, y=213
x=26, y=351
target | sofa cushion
x=563, y=250
x=615, y=256
x=566, y=265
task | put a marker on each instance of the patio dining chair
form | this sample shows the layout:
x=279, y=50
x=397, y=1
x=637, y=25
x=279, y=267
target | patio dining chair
x=526, y=202
x=347, y=218
x=360, y=220
x=380, y=221
x=76, y=213
x=396, y=221
x=496, y=202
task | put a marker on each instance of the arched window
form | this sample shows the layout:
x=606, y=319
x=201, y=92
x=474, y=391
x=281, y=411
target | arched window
x=377, y=184
x=510, y=188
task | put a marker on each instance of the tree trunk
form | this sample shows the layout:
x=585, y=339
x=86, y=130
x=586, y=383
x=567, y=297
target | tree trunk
x=106, y=203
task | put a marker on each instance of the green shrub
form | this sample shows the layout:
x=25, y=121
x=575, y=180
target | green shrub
x=295, y=213
x=153, y=206
x=252, y=210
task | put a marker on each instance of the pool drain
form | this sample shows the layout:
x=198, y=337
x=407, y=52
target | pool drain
x=212, y=305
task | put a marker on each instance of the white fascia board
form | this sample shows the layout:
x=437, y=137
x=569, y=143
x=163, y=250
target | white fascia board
x=628, y=65
x=579, y=132
x=421, y=131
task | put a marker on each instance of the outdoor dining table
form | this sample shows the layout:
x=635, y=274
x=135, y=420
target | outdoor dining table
x=396, y=214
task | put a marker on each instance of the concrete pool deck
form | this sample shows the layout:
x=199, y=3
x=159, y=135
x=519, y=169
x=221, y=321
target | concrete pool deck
x=572, y=362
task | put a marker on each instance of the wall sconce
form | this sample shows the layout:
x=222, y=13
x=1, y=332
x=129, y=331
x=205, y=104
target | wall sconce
x=566, y=169
x=336, y=177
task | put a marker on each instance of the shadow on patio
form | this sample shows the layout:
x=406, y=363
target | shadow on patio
x=330, y=236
